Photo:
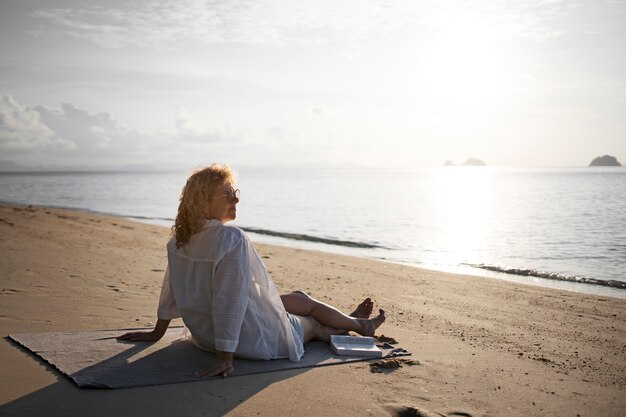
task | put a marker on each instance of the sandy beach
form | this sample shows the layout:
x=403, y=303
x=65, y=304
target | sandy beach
x=486, y=347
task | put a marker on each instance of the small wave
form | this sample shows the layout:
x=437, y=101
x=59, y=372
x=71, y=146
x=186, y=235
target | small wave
x=309, y=238
x=550, y=275
x=293, y=236
x=166, y=219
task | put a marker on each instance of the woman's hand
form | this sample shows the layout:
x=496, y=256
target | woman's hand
x=151, y=336
x=223, y=367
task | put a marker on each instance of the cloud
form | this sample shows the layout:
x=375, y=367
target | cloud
x=275, y=22
x=186, y=133
x=21, y=129
x=72, y=134
x=84, y=130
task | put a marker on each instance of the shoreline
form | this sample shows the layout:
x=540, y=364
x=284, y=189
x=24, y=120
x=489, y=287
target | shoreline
x=534, y=281
x=485, y=346
x=320, y=244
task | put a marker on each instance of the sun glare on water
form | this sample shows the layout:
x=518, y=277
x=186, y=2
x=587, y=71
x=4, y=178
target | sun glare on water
x=463, y=196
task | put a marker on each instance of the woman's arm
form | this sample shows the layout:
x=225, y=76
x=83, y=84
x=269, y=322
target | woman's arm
x=229, y=298
x=229, y=303
x=152, y=336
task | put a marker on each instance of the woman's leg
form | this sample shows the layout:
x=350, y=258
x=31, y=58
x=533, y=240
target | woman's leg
x=301, y=304
x=314, y=330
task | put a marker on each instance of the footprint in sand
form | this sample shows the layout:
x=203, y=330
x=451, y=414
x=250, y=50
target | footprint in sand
x=411, y=412
x=414, y=412
x=390, y=365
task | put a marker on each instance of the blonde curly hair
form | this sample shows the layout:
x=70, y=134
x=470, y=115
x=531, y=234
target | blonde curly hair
x=194, y=200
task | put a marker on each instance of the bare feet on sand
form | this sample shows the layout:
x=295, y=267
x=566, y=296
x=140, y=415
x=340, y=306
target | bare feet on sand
x=363, y=310
x=369, y=326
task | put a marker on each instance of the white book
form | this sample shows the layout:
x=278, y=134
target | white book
x=355, y=346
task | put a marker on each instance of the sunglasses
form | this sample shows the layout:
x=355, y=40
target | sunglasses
x=230, y=196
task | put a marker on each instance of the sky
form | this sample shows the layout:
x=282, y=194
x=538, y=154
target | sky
x=325, y=83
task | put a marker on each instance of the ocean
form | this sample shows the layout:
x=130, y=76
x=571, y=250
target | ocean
x=561, y=227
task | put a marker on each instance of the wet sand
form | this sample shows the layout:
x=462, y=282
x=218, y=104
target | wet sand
x=483, y=346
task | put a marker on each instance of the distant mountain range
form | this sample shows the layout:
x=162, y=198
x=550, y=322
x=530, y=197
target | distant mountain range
x=12, y=166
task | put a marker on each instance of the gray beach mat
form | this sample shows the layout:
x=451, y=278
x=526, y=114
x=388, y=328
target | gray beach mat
x=96, y=359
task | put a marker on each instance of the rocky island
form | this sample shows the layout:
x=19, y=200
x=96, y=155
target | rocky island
x=605, y=161
x=474, y=162
x=471, y=162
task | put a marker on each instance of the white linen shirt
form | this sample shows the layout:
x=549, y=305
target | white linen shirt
x=220, y=287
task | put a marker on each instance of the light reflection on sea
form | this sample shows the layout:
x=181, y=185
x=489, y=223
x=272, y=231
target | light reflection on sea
x=566, y=221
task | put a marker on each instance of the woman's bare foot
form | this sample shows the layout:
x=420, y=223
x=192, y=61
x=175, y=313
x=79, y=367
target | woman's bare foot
x=363, y=310
x=369, y=326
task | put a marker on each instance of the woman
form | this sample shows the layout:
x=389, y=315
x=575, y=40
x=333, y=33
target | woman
x=219, y=286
